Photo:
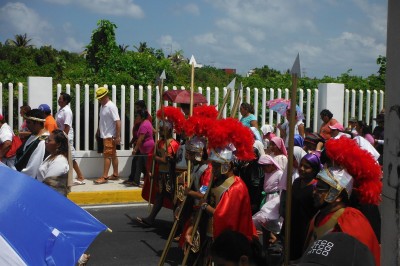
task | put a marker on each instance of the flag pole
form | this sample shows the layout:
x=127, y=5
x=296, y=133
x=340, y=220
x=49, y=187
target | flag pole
x=288, y=212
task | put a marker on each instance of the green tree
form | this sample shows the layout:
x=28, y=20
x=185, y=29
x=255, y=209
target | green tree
x=103, y=48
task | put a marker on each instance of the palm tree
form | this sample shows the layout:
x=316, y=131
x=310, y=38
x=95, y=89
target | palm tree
x=123, y=48
x=142, y=47
x=21, y=41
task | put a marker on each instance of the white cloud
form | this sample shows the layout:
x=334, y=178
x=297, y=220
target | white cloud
x=71, y=44
x=114, y=7
x=60, y=2
x=168, y=44
x=377, y=15
x=20, y=19
x=243, y=44
x=207, y=38
x=227, y=24
x=108, y=7
x=192, y=9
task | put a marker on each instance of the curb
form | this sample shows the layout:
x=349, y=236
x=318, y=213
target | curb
x=106, y=197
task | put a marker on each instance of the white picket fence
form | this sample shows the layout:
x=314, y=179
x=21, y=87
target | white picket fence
x=353, y=105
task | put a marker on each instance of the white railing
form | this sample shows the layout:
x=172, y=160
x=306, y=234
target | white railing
x=257, y=97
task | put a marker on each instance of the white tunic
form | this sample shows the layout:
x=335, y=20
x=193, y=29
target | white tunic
x=36, y=158
x=56, y=167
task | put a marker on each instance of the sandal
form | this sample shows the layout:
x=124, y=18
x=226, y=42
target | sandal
x=79, y=182
x=101, y=180
x=113, y=177
x=83, y=260
x=143, y=222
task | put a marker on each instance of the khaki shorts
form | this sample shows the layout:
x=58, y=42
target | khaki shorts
x=109, y=148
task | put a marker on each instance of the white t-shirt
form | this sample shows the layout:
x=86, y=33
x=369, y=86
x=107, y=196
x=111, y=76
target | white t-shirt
x=285, y=126
x=108, y=116
x=56, y=167
x=5, y=133
x=64, y=117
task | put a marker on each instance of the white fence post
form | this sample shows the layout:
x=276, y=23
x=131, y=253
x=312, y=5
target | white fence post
x=308, y=108
x=86, y=124
x=11, y=104
x=20, y=103
x=123, y=124
x=368, y=107
x=360, y=104
x=316, y=114
x=256, y=103
x=263, y=107
x=77, y=117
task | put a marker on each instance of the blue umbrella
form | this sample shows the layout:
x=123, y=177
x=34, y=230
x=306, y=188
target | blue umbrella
x=39, y=226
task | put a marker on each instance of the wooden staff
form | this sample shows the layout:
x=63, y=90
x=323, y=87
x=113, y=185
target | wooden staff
x=153, y=164
x=173, y=230
x=236, y=105
x=288, y=211
x=190, y=114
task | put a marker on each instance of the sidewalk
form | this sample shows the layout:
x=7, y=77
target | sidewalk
x=113, y=192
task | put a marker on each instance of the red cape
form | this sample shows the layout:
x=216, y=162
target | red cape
x=354, y=223
x=234, y=211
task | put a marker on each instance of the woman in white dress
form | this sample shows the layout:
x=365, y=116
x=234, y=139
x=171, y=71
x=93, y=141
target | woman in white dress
x=54, y=170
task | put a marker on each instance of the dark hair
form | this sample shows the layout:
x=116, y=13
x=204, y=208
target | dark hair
x=247, y=107
x=142, y=113
x=141, y=104
x=37, y=113
x=365, y=129
x=62, y=139
x=327, y=113
x=66, y=97
x=25, y=107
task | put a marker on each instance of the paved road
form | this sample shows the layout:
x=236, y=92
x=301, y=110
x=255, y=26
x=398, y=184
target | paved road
x=129, y=243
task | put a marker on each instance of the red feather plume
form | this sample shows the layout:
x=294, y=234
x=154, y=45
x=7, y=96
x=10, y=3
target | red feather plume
x=231, y=130
x=209, y=111
x=174, y=115
x=361, y=165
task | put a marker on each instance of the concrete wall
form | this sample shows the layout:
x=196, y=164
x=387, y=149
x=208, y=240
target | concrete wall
x=91, y=163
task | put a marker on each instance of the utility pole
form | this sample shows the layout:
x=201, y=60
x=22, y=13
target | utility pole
x=390, y=248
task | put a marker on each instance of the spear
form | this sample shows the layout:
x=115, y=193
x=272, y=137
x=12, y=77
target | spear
x=189, y=180
x=237, y=101
x=160, y=89
x=288, y=212
x=200, y=211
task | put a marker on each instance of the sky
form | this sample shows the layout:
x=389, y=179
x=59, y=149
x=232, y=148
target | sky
x=331, y=36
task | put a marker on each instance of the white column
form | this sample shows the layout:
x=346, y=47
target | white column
x=131, y=109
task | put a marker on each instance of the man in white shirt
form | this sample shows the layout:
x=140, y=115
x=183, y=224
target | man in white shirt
x=64, y=122
x=110, y=131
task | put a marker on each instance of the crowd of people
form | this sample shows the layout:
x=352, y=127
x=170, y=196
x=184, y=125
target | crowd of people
x=235, y=190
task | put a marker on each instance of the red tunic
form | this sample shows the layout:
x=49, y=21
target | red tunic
x=172, y=149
